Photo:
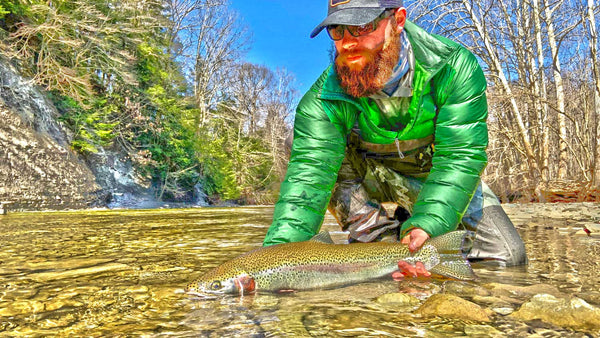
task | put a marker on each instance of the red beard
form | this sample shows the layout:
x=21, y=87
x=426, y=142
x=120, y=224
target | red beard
x=374, y=75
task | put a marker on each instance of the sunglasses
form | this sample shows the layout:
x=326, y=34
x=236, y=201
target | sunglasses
x=336, y=32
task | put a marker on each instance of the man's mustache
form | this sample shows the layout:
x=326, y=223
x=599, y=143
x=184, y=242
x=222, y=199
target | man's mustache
x=354, y=52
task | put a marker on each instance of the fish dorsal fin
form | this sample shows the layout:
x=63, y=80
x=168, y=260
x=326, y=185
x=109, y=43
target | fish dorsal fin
x=322, y=237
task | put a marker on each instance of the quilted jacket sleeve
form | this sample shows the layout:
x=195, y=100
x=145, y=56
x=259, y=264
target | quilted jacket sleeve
x=461, y=138
x=317, y=154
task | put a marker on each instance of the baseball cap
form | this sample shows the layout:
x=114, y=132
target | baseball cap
x=354, y=12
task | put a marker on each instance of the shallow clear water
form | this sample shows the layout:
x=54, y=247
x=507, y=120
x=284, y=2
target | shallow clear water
x=100, y=273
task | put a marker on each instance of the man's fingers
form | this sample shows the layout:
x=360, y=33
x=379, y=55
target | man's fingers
x=421, y=270
x=407, y=269
x=405, y=240
x=405, y=266
x=397, y=275
x=414, y=245
x=415, y=239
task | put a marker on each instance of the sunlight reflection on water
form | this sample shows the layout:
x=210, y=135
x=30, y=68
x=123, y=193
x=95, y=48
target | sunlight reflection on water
x=122, y=272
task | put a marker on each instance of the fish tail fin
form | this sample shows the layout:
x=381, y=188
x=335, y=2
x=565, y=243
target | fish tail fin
x=452, y=262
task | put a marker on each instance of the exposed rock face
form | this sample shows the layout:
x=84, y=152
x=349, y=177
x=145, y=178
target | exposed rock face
x=37, y=168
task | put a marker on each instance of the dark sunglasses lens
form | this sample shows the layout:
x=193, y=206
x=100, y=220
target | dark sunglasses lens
x=336, y=32
x=361, y=30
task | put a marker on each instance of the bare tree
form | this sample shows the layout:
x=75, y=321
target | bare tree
x=281, y=102
x=217, y=40
x=63, y=44
x=593, y=46
x=249, y=88
x=530, y=51
x=257, y=113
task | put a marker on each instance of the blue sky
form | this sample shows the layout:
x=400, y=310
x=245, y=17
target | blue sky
x=281, y=32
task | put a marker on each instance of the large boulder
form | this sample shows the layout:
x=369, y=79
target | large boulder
x=568, y=312
x=451, y=306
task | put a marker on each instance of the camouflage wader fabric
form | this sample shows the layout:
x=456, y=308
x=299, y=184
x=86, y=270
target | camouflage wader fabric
x=370, y=174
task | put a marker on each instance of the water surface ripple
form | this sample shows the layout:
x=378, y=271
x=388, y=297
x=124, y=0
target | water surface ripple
x=121, y=272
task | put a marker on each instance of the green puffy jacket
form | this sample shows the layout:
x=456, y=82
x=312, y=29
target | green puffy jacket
x=448, y=101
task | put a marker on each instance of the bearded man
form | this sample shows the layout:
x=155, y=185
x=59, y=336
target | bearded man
x=399, y=117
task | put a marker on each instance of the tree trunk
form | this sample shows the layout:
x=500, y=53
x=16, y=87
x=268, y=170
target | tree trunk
x=560, y=93
x=595, y=170
x=541, y=92
x=523, y=131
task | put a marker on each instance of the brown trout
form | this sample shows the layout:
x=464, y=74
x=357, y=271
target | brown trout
x=319, y=263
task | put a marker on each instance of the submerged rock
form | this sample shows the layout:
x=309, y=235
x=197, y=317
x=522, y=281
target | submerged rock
x=494, y=301
x=571, y=312
x=592, y=297
x=521, y=292
x=397, y=298
x=482, y=331
x=465, y=289
x=451, y=306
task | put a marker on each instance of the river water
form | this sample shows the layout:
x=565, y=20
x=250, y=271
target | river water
x=122, y=273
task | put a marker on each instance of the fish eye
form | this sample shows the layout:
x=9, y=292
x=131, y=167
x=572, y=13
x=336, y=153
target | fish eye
x=216, y=285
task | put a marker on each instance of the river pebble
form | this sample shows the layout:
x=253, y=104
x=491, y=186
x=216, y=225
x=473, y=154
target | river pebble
x=503, y=310
x=495, y=301
x=592, y=297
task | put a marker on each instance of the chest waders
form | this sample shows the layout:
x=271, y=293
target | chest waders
x=374, y=173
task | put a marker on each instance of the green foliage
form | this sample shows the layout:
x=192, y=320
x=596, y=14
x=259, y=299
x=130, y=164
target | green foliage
x=3, y=12
x=235, y=166
x=90, y=126
x=17, y=8
x=111, y=75
x=168, y=137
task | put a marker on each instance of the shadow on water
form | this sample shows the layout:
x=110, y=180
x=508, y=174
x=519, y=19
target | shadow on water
x=122, y=272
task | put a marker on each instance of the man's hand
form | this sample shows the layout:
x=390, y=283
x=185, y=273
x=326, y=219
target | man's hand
x=414, y=240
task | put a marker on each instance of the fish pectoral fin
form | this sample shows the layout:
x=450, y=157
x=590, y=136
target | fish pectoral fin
x=245, y=284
